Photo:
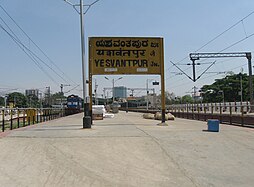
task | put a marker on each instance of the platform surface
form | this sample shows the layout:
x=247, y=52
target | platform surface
x=126, y=150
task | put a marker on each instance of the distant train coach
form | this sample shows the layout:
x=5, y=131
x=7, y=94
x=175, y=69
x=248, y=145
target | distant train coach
x=74, y=105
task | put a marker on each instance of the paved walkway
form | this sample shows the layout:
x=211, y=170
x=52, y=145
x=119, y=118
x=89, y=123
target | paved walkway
x=126, y=151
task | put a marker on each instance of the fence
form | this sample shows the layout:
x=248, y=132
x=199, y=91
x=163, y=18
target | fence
x=232, y=112
x=12, y=118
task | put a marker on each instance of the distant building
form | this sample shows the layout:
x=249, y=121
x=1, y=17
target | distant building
x=152, y=99
x=120, y=92
x=34, y=92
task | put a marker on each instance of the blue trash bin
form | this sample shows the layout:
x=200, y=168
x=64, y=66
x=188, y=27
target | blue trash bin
x=213, y=125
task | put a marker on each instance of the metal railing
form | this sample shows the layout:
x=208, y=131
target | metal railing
x=226, y=107
x=12, y=118
x=231, y=112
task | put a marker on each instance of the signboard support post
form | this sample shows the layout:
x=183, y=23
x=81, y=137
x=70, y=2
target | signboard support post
x=128, y=55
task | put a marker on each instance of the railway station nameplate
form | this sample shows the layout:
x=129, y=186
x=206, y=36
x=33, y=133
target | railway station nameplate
x=125, y=55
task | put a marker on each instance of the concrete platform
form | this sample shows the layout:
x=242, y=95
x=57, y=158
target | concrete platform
x=126, y=151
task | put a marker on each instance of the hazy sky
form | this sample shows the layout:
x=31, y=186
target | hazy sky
x=185, y=26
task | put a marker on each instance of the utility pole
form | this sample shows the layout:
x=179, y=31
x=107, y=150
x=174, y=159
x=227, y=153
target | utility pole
x=197, y=56
x=194, y=93
x=132, y=92
x=40, y=97
x=62, y=86
x=5, y=100
x=95, y=92
x=223, y=95
x=248, y=56
x=194, y=68
x=154, y=105
x=241, y=84
x=104, y=93
x=113, y=90
x=62, y=94
x=87, y=117
x=48, y=95
x=194, y=72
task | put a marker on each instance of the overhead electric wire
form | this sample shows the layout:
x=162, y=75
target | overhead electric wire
x=89, y=6
x=175, y=82
x=230, y=46
x=216, y=37
x=29, y=55
x=226, y=71
x=30, y=39
x=26, y=48
x=206, y=70
x=72, y=89
x=238, y=42
x=181, y=70
x=244, y=29
x=208, y=76
x=74, y=6
x=235, y=43
x=224, y=31
x=218, y=62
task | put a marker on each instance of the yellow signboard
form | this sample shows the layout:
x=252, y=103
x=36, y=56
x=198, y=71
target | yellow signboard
x=125, y=55
x=30, y=115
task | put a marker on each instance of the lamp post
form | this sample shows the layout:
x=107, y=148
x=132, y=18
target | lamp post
x=147, y=91
x=223, y=99
x=113, y=86
x=95, y=91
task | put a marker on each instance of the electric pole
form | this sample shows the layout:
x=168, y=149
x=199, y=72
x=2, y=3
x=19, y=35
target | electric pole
x=241, y=84
x=48, y=96
x=87, y=116
x=197, y=56
x=62, y=94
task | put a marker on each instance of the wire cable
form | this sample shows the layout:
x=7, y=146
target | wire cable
x=32, y=53
x=209, y=76
x=30, y=39
x=29, y=55
x=219, y=35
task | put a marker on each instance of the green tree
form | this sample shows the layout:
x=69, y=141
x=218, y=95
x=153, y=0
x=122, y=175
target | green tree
x=33, y=101
x=18, y=99
x=2, y=101
x=187, y=99
x=169, y=97
x=57, y=97
x=226, y=89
